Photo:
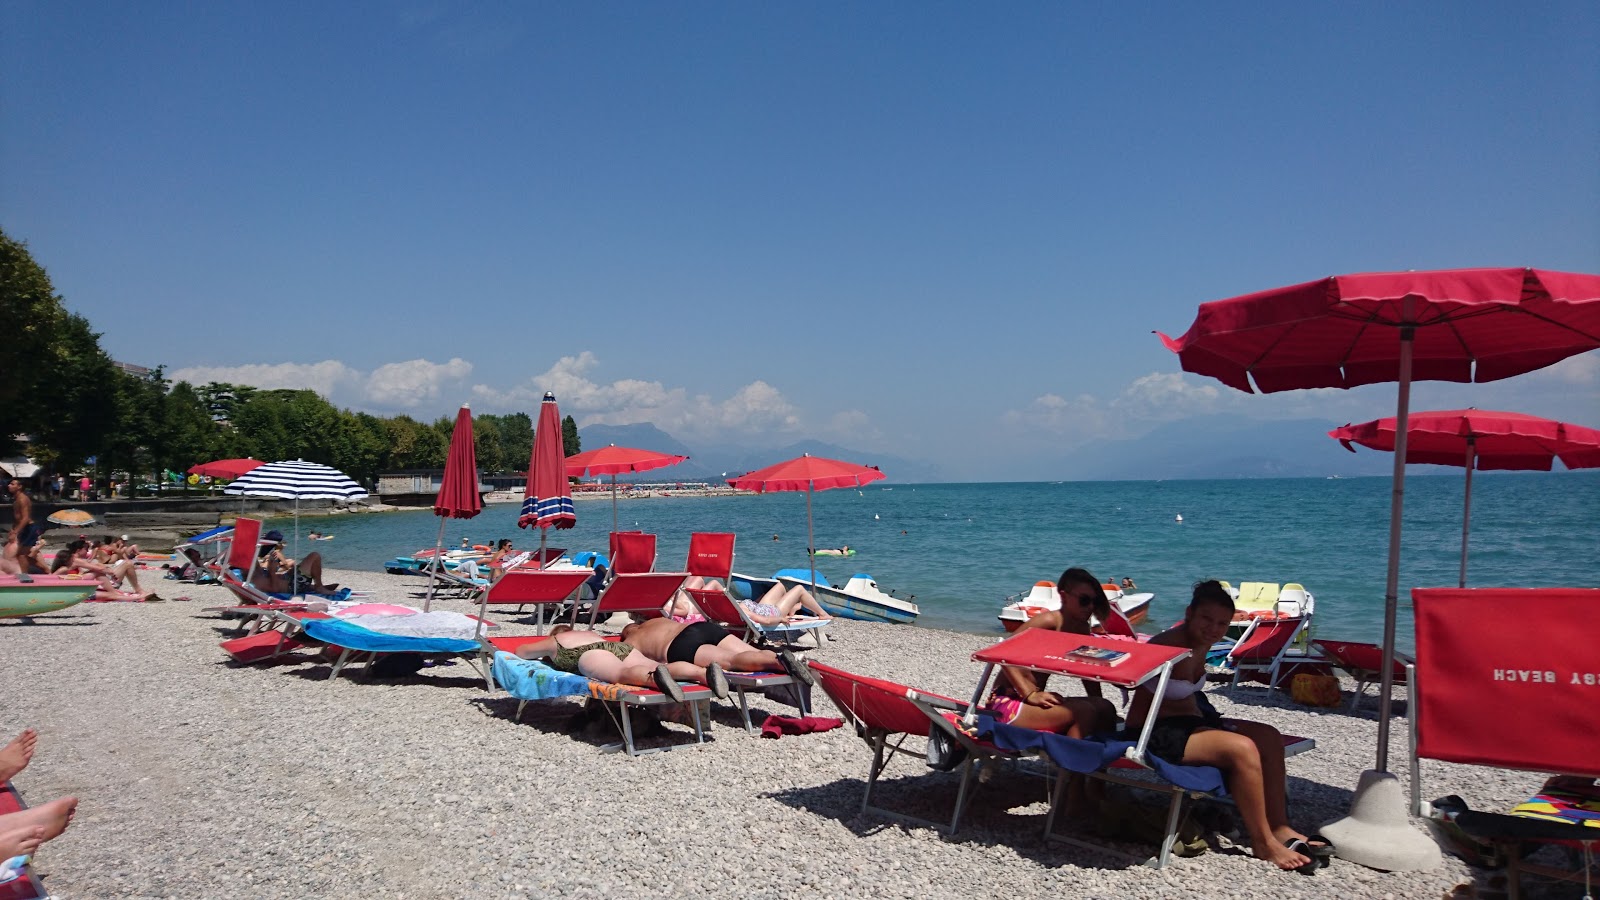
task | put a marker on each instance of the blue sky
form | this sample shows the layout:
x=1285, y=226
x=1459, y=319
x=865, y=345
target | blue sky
x=942, y=231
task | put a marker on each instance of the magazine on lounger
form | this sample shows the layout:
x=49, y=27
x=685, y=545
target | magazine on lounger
x=1096, y=656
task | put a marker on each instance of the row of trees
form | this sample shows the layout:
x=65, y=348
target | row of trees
x=64, y=402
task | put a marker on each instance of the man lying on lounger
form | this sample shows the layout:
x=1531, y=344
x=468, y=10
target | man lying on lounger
x=708, y=644
x=588, y=653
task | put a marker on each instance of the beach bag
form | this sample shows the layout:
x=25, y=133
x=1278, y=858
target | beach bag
x=1316, y=690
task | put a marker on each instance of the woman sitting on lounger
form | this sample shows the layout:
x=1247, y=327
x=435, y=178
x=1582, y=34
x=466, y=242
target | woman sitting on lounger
x=778, y=606
x=1250, y=754
x=1020, y=697
x=588, y=653
x=276, y=573
x=77, y=558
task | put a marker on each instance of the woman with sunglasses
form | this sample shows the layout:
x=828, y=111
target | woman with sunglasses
x=1020, y=698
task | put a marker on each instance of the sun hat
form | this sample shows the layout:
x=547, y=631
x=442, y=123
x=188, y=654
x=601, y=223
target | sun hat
x=274, y=535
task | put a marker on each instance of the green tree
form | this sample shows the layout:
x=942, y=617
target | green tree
x=80, y=395
x=192, y=437
x=32, y=320
x=570, y=442
x=516, y=440
x=486, y=437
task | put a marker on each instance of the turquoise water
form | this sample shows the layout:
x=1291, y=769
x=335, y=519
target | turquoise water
x=960, y=548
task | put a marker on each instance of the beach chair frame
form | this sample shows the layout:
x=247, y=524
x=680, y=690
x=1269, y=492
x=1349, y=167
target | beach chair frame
x=537, y=587
x=1265, y=654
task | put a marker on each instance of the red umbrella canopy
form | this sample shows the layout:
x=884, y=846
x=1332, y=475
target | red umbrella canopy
x=226, y=468
x=458, y=489
x=548, y=500
x=1344, y=331
x=611, y=460
x=806, y=473
x=1499, y=440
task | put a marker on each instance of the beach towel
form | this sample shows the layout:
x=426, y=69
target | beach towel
x=1092, y=754
x=530, y=679
x=778, y=726
x=436, y=624
x=354, y=637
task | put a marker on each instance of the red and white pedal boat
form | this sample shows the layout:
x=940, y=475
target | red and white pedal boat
x=1020, y=608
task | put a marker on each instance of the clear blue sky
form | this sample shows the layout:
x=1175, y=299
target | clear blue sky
x=943, y=231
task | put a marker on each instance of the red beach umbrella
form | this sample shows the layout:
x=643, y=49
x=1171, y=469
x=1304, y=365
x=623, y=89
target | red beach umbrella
x=458, y=489
x=1480, y=439
x=1453, y=325
x=226, y=468
x=611, y=459
x=548, y=501
x=810, y=474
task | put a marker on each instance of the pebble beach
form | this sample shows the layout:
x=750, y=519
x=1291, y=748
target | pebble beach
x=201, y=778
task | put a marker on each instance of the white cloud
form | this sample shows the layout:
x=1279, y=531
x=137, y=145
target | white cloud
x=326, y=377
x=1582, y=370
x=412, y=385
x=407, y=384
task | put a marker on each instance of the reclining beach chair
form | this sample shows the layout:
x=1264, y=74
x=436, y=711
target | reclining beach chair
x=1364, y=663
x=238, y=568
x=1262, y=648
x=528, y=680
x=27, y=885
x=1522, y=698
x=887, y=715
x=1114, y=760
x=538, y=587
x=641, y=593
x=632, y=552
x=711, y=556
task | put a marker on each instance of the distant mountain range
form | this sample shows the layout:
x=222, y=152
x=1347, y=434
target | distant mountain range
x=1201, y=447
x=712, y=464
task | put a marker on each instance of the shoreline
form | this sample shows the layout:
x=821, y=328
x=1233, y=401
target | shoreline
x=427, y=786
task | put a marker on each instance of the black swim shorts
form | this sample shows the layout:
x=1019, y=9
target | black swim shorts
x=29, y=535
x=692, y=638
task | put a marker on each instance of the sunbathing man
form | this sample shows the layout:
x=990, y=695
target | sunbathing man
x=276, y=573
x=23, y=831
x=707, y=643
x=588, y=653
x=776, y=607
x=1190, y=732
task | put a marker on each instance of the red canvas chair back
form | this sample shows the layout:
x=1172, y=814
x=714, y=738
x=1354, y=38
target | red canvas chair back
x=632, y=552
x=522, y=586
x=1518, y=698
x=875, y=704
x=1118, y=624
x=645, y=592
x=719, y=607
x=711, y=555
x=242, y=552
x=1265, y=639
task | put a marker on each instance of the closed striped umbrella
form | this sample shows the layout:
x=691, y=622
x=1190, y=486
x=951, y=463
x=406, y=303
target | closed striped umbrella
x=296, y=479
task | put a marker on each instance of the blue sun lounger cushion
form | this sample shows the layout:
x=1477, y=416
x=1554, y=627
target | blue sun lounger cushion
x=354, y=637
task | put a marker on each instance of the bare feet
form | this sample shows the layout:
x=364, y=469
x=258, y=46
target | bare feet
x=52, y=817
x=14, y=758
x=20, y=841
x=1279, y=855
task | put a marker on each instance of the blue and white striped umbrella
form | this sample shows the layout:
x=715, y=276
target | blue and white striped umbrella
x=295, y=479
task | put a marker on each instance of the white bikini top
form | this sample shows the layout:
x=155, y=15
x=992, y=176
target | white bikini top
x=1177, y=689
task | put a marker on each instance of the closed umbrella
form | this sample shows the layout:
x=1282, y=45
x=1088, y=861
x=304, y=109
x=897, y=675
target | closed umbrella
x=611, y=459
x=810, y=474
x=458, y=490
x=1480, y=439
x=296, y=479
x=1459, y=325
x=547, y=501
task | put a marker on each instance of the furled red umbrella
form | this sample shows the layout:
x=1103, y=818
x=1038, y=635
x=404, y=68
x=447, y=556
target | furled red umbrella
x=1454, y=325
x=226, y=468
x=810, y=474
x=458, y=490
x=611, y=459
x=1480, y=439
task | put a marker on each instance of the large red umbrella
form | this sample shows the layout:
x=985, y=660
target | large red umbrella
x=810, y=474
x=458, y=490
x=1480, y=439
x=1455, y=325
x=611, y=460
x=226, y=468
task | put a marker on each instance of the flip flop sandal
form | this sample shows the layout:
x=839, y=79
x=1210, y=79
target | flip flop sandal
x=1312, y=863
x=717, y=681
x=668, y=685
x=1321, y=848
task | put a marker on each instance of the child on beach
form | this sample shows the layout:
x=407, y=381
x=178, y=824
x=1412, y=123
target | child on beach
x=1190, y=732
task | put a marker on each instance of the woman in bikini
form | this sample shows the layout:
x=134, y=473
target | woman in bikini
x=1188, y=731
x=78, y=559
x=1019, y=696
x=588, y=653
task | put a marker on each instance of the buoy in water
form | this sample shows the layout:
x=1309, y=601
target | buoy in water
x=1179, y=519
x=875, y=517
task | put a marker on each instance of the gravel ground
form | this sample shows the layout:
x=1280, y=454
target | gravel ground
x=202, y=779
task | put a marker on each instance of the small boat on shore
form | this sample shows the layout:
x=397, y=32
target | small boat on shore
x=43, y=594
x=1043, y=596
x=860, y=598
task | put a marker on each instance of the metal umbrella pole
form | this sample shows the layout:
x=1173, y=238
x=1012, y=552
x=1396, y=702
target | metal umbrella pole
x=1466, y=514
x=433, y=568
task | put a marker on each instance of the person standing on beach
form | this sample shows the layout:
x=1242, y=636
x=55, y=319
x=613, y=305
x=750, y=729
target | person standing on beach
x=22, y=523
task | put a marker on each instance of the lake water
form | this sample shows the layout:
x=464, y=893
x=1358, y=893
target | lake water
x=961, y=548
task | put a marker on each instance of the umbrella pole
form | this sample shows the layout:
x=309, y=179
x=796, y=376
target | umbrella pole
x=433, y=571
x=294, y=576
x=1391, y=586
x=613, y=502
x=811, y=541
x=1466, y=514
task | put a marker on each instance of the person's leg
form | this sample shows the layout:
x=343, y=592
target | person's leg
x=53, y=817
x=1274, y=774
x=1074, y=717
x=126, y=570
x=10, y=558
x=20, y=841
x=793, y=598
x=16, y=755
x=737, y=656
x=311, y=567
x=1236, y=755
x=636, y=670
